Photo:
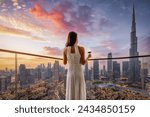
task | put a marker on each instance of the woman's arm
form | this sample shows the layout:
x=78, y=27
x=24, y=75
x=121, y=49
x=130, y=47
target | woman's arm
x=83, y=60
x=65, y=56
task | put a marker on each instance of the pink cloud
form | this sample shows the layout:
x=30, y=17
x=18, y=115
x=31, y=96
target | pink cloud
x=103, y=48
x=64, y=18
x=111, y=46
x=52, y=51
x=144, y=45
x=54, y=16
x=108, y=45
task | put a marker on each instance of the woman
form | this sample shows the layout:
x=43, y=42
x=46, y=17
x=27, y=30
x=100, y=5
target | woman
x=75, y=56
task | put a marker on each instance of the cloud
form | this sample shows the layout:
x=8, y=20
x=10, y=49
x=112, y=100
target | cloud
x=144, y=45
x=65, y=16
x=4, y=29
x=54, y=16
x=53, y=20
x=61, y=17
x=53, y=51
x=103, y=47
x=104, y=23
x=106, y=45
x=13, y=31
x=37, y=38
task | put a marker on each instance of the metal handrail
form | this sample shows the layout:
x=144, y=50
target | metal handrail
x=57, y=58
x=24, y=53
x=124, y=57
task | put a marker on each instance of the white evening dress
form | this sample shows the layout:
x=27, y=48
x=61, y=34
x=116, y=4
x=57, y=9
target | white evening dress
x=75, y=83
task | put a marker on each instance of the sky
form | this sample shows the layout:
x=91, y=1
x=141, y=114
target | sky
x=103, y=26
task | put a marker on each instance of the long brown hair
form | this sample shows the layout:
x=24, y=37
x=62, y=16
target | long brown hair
x=72, y=38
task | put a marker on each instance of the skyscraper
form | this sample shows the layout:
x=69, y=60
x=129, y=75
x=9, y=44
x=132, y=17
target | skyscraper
x=134, y=67
x=91, y=74
x=103, y=71
x=23, y=75
x=49, y=71
x=38, y=73
x=86, y=72
x=29, y=76
x=26, y=76
x=56, y=70
x=109, y=66
x=96, y=69
x=4, y=82
x=144, y=69
x=116, y=70
x=125, y=69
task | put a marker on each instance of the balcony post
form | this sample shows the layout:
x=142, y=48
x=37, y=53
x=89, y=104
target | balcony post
x=16, y=77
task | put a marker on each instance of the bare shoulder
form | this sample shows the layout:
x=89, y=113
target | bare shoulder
x=81, y=49
x=65, y=49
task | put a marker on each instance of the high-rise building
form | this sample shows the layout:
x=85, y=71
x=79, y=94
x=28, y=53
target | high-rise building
x=22, y=75
x=33, y=73
x=30, y=77
x=144, y=74
x=116, y=70
x=103, y=71
x=26, y=76
x=91, y=74
x=49, y=71
x=56, y=71
x=125, y=69
x=134, y=67
x=109, y=67
x=38, y=73
x=43, y=74
x=62, y=76
x=95, y=69
x=4, y=82
x=86, y=72
x=144, y=70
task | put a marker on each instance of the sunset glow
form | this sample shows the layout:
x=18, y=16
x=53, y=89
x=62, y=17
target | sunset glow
x=41, y=27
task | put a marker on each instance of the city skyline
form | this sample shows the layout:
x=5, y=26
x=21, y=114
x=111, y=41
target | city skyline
x=107, y=28
x=32, y=26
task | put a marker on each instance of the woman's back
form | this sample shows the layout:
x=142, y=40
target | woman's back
x=75, y=79
x=73, y=55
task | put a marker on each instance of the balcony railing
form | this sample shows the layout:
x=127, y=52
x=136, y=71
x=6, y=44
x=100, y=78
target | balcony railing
x=111, y=77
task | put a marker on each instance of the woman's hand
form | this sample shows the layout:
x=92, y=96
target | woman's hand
x=89, y=55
